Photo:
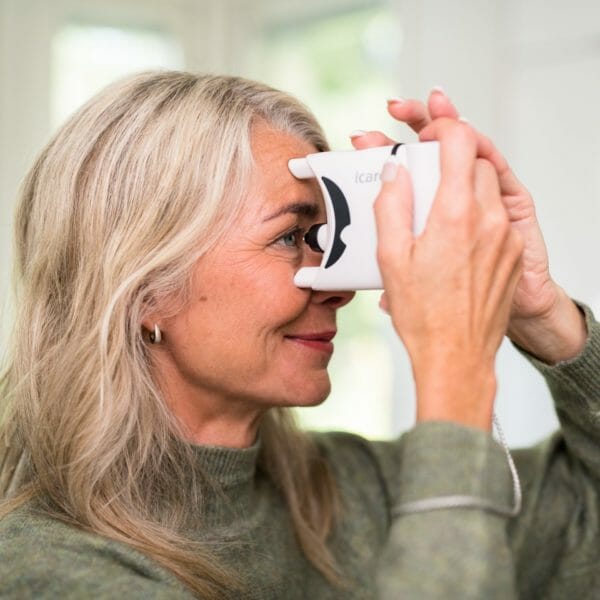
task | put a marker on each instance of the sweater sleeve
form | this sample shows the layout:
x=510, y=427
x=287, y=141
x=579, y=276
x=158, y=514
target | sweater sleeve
x=575, y=388
x=556, y=538
x=451, y=552
x=554, y=543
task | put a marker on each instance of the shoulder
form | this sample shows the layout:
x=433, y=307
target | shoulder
x=362, y=467
x=42, y=557
x=348, y=452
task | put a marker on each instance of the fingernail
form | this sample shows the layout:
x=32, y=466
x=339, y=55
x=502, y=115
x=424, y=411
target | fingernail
x=357, y=133
x=439, y=89
x=463, y=120
x=395, y=100
x=390, y=169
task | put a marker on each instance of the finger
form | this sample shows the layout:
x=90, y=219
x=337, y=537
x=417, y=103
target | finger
x=411, y=112
x=494, y=226
x=439, y=105
x=457, y=162
x=487, y=187
x=393, y=213
x=369, y=139
x=518, y=245
x=507, y=274
x=499, y=246
x=509, y=184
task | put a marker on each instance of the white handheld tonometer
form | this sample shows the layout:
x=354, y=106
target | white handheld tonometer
x=350, y=182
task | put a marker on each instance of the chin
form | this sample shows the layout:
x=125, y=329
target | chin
x=314, y=395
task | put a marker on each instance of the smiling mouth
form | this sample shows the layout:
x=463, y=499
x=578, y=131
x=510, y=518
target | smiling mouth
x=317, y=341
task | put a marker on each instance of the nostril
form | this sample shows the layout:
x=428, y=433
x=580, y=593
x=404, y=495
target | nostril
x=332, y=299
x=337, y=301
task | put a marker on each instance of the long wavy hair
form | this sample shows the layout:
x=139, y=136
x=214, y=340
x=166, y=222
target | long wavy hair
x=112, y=218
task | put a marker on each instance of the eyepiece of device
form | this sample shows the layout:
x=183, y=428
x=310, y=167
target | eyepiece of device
x=316, y=237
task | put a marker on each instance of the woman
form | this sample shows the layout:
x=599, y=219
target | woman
x=160, y=341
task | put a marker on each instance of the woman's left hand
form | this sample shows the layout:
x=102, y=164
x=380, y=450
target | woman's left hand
x=543, y=319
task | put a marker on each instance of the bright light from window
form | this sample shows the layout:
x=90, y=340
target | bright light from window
x=342, y=66
x=85, y=58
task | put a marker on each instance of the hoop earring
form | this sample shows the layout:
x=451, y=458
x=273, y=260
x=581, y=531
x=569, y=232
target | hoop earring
x=156, y=335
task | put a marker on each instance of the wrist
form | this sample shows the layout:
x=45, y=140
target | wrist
x=457, y=392
x=558, y=335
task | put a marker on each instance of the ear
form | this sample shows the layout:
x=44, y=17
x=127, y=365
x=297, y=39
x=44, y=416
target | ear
x=150, y=326
x=149, y=322
x=151, y=314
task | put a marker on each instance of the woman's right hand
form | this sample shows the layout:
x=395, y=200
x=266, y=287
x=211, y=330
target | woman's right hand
x=449, y=291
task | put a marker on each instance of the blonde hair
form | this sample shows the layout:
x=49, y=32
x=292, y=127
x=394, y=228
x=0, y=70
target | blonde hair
x=112, y=218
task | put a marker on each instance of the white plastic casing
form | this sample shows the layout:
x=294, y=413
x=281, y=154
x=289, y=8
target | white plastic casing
x=355, y=174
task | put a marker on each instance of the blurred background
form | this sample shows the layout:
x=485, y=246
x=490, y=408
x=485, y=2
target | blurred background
x=523, y=71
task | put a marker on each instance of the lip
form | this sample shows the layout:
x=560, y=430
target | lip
x=320, y=341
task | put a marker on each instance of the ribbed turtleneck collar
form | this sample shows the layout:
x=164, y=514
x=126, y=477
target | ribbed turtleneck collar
x=231, y=494
x=228, y=467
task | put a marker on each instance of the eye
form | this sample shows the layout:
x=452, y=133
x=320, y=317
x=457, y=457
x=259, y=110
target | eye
x=291, y=239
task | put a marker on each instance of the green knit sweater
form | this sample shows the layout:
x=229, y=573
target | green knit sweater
x=550, y=551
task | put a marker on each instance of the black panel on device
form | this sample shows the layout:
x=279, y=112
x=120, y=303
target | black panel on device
x=342, y=220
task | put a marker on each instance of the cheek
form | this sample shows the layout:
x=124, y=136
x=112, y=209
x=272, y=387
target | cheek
x=245, y=297
x=265, y=292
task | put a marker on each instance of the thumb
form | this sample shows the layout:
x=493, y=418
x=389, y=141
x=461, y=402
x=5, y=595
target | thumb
x=394, y=209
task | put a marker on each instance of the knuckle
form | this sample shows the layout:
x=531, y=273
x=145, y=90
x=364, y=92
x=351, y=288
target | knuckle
x=462, y=133
x=460, y=214
x=485, y=167
x=394, y=256
x=486, y=141
x=497, y=223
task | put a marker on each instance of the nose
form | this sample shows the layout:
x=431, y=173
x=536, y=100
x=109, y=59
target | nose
x=332, y=299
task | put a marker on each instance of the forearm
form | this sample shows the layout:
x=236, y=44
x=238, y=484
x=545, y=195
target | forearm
x=459, y=552
x=575, y=388
x=456, y=390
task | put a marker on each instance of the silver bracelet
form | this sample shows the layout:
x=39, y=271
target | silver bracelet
x=459, y=501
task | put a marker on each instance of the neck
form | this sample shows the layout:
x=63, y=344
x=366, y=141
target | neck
x=222, y=430
x=216, y=421
x=207, y=417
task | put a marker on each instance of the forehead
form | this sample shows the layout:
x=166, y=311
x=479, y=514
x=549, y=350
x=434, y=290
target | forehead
x=271, y=182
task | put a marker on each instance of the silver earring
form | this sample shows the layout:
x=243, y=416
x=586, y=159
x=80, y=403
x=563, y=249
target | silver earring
x=156, y=335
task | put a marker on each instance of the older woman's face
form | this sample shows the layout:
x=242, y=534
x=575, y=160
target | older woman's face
x=249, y=336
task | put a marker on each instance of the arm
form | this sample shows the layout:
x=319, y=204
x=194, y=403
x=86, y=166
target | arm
x=454, y=552
x=449, y=294
x=575, y=387
x=435, y=555
x=449, y=290
x=555, y=539
x=544, y=321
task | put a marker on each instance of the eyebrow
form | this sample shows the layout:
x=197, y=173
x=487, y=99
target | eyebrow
x=305, y=209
